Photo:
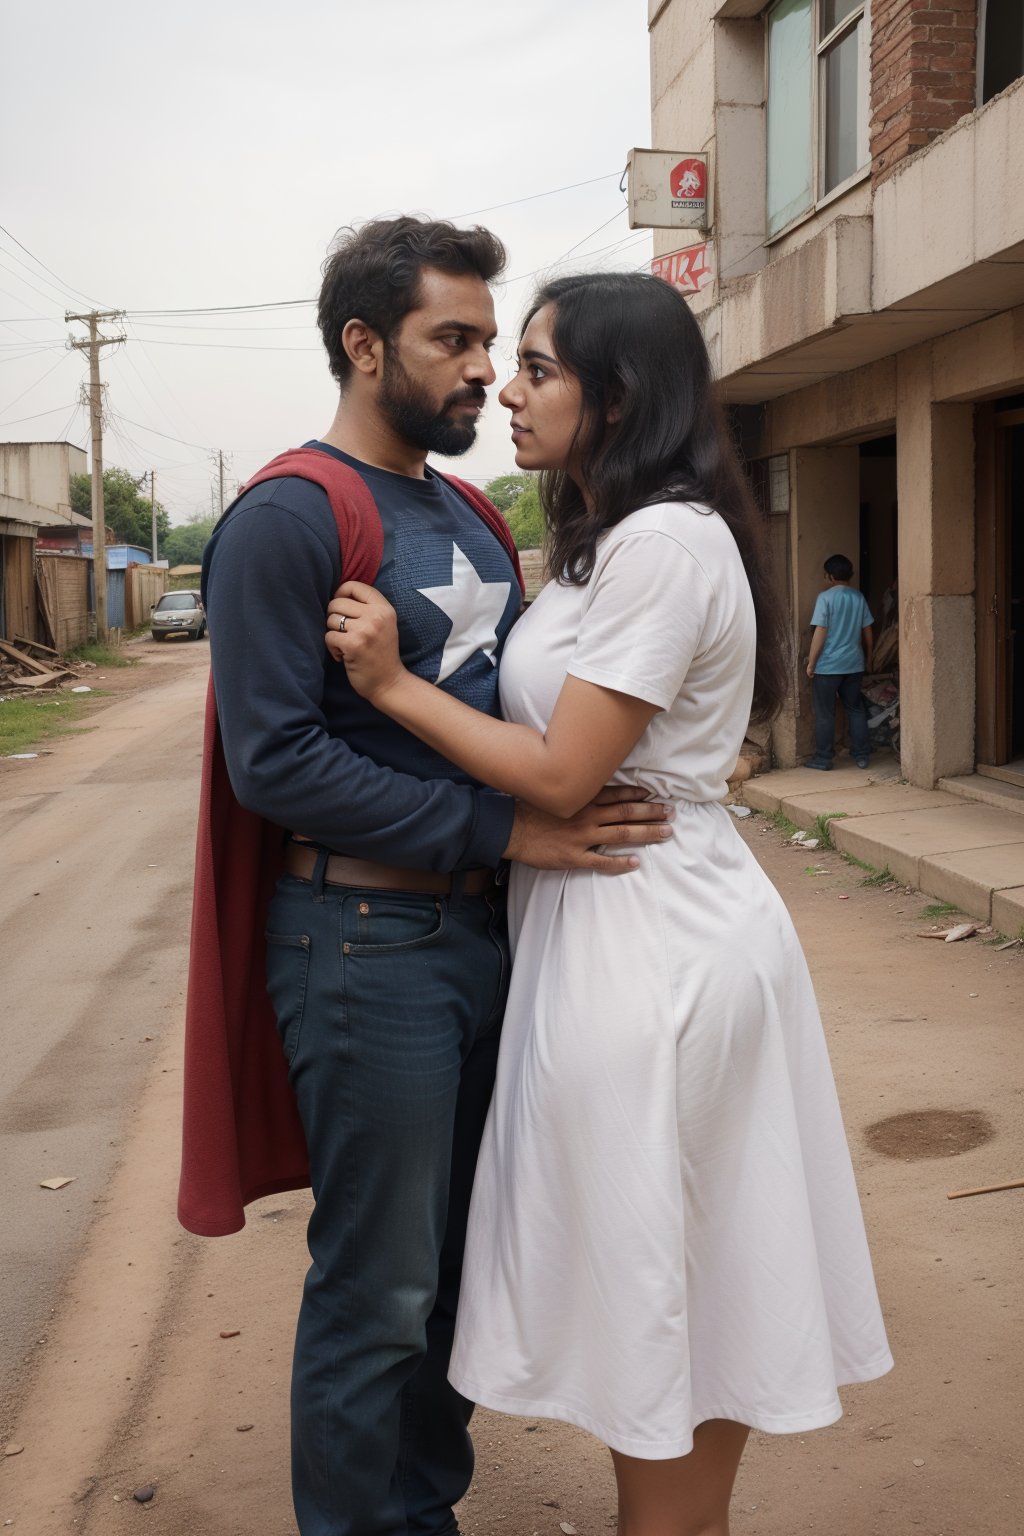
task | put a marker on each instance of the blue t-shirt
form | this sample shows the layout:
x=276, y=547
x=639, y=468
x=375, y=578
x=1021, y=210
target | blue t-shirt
x=302, y=748
x=844, y=613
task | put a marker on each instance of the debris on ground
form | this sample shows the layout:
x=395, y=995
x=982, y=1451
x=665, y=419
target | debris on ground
x=21, y=666
x=951, y=935
x=883, y=700
x=144, y=1495
x=57, y=1183
x=984, y=1189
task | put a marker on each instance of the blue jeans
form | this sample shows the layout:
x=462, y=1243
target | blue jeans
x=389, y=1006
x=824, y=688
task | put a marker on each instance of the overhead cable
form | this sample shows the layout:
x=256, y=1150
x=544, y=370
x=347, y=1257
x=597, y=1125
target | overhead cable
x=50, y=270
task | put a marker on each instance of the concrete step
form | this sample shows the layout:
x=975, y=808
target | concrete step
x=947, y=844
x=977, y=786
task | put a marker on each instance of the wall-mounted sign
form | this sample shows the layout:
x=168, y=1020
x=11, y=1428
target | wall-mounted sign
x=689, y=270
x=668, y=190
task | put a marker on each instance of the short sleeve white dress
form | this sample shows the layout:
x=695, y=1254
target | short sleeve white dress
x=665, y=1226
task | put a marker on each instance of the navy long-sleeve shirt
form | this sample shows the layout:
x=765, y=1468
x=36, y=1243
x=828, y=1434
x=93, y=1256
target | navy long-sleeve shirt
x=302, y=749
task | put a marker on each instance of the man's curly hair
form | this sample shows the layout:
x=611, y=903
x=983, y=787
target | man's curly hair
x=373, y=274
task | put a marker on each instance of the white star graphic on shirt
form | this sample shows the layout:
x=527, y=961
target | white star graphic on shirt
x=475, y=608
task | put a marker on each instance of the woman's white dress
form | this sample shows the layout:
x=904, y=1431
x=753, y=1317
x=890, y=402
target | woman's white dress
x=665, y=1226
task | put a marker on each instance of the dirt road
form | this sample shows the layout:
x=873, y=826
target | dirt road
x=93, y=906
x=135, y=1383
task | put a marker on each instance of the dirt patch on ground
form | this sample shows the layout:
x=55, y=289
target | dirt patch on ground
x=930, y=1133
x=136, y=1384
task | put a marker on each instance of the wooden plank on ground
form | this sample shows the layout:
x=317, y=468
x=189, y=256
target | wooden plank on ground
x=25, y=661
x=37, y=645
x=35, y=680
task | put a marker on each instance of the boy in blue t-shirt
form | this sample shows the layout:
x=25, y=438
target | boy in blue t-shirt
x=840, y=654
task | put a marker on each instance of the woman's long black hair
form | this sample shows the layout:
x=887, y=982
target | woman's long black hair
x=638, y=354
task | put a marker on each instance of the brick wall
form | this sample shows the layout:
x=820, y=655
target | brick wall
x=923, y=74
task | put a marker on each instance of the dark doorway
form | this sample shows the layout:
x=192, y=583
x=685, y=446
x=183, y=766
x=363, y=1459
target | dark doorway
x=878, y=527
x=1015, y=586
x=1000, y=595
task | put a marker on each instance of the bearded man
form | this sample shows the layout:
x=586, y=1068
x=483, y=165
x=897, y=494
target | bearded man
x=386, y=953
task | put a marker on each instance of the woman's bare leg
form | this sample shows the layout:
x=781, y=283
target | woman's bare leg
x=687, y=1495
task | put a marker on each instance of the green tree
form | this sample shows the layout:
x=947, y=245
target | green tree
x=516, y=495
x=185, y=543
x=127, y=513
x=505, y=490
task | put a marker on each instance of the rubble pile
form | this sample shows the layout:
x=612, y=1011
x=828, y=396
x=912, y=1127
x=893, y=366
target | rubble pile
x=883, y=700
x=28, y=665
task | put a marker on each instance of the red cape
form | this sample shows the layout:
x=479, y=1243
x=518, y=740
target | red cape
x=241, y=1133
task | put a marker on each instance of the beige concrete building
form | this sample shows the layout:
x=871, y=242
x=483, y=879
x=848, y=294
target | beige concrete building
x=861, y=289
x=41, y=472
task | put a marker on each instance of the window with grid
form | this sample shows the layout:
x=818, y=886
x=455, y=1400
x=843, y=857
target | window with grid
x=818, y=83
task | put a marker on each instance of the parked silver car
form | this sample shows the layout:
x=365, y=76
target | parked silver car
x=179, y=613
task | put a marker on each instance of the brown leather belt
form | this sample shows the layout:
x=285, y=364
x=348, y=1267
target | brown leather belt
x=366, y=875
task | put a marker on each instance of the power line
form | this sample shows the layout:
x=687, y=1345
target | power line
x=229, y=309
x=493, y=207
x=45, y=268
x=204, y=447
x=64, y=435
x=31, y=387
x=234, y=346
x=26, y=352
x=31, y=341
x=181, y=414
x=220, y=309
x=234, y=330
x=616, y=215
x=49, y=297
x=63, y=295
x=54, y=411
x=507, y=282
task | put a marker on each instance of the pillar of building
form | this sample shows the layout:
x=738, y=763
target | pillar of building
x=824, y=509
x=935, y=481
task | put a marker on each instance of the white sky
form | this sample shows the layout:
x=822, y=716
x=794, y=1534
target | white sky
x=203, y=154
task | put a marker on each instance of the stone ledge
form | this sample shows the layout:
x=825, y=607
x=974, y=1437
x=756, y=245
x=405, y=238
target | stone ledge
x=1008, y=912
x=873, y=800
x=973, y=879
x=955, y=850
x=976, y=786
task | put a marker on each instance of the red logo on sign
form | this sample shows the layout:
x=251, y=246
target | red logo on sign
x=689, y=181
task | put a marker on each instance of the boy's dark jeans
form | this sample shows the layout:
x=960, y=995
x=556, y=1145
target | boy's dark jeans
x=824, y=688
x=389, y=1007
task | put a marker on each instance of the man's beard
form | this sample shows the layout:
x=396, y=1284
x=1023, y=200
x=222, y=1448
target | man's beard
x=415, y=417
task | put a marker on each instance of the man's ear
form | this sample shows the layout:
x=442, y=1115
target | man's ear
x=364, y=347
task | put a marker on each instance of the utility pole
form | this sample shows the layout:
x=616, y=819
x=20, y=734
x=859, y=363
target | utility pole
x=152, y=509
x=99, y=552
x=220, y=458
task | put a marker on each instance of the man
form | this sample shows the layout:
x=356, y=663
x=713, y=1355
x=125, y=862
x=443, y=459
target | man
x=386, y=956
x=842, y=647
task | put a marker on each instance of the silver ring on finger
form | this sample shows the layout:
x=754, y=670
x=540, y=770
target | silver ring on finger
x=342, y=622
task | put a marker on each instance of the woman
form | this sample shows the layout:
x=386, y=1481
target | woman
x=665, y=1245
